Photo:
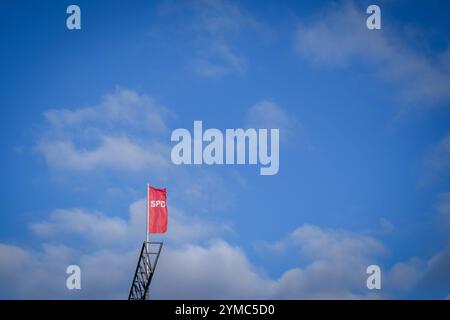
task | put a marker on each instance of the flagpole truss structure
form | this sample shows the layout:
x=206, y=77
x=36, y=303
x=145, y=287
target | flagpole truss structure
x=148, y=259
x=145, y=269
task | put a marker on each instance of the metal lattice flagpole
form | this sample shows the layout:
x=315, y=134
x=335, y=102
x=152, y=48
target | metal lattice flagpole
x=147, y=262
x=145, y=270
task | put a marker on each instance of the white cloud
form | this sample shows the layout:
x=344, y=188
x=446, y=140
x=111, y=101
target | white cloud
x=437, y=274
x=421, y=80
x=108, y=135
x=107, y=273
x=317, y=243
x=12, y=258
x=335, y=264
x=27, y=274
x=41, y=274
x=404, y=276
x=123, y=107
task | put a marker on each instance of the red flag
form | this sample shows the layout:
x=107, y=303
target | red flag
x=157, y=210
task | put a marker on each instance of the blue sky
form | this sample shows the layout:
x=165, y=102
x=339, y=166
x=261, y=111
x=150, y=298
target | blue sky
x=364, y=153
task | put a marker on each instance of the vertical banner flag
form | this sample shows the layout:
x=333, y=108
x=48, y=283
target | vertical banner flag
x=157, y=210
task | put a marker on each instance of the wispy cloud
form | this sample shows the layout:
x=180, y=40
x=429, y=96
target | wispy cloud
x=268, y=114
x=215, y=26
x=338, y=38
x=443, y=208
x=122, y=108
x=436, y=162
x=439, y=158
x=218, y=60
